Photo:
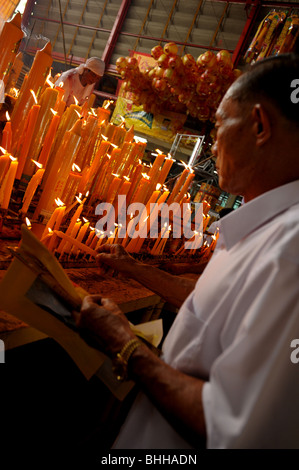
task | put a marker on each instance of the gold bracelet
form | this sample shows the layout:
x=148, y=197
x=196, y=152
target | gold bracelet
x=122, y=359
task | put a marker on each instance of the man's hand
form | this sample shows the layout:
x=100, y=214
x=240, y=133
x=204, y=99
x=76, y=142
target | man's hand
x=113, y=258
x=103, y=322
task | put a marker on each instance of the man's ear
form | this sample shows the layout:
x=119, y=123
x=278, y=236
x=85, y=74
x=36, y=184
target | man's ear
x=261, y=124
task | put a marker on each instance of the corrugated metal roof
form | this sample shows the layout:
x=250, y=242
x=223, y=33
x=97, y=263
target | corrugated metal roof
x=87, y=25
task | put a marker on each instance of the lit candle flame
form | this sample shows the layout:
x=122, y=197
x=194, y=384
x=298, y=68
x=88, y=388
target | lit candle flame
x=59, y=202
x=86, y=195
x=3, y=150
x=106, y=105
x=53, y=111
x=28, y=223
x=93, y=111
x=75, y=167
x=13, y=158
x=114, y=145
x=185, y=165
x=116, y=176
x=79, y=200
x=7, y=116
x=79, y=115
x=104, y=137
x=61, y=85
x=34, y=96
x=158, y=186
x=127, y=178
x=85, y=220
x=159, y=151
x=140, y=139
x=49, y=81
x=145, y=176
x=76, y=101
x=15, y=92
x=39, y=165
x=50, y=230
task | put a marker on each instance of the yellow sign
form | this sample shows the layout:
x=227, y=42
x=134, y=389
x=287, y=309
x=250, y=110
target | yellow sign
x=163, y=126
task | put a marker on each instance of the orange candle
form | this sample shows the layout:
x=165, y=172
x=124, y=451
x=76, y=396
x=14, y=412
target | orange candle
x=72, y=184
x=71, y=241
x=154, y=173
x=96, y=164
x=130, y=134
x=127, y=164
x=123, y=191
x=10, y=40
x=154, y=214
x=49, y=138
x=46, y=102
x=159, y=160
x=80, y=235
x=67, y=242
x=85, y=174
x=136, y=176
x=165, y=170
x=4, y=164
x=180, y=181
x=35, y=81
x=144, y=224
x=75, y=217
x=55, y=219
x=32, y=187
x=67, y=120
x=7, y=137
x=103, y=114
x=161, y=240
x=60, y=170
x=97, y=193
x=141, y=193
x=185, y=187
x=7, y=185
x=90, y=236
x=116, y=182
x=28, y=134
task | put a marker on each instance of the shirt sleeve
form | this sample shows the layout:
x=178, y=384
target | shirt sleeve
x=251, y=399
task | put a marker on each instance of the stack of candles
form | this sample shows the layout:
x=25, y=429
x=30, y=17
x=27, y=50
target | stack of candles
x=68, y=154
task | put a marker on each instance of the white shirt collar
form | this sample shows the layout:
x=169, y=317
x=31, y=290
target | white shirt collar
x=249, y=217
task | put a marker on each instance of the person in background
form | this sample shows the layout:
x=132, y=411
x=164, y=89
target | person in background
x=228, y=376
x=79, y=82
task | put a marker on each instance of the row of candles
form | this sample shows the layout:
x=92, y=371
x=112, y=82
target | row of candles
x=72, y=153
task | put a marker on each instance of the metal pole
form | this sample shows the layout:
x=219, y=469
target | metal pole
x=144, y=21
x=95, y=33
x=169, y=18
x=106, y=56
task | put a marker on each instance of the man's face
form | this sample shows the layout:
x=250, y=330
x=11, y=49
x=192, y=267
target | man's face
x=234, y=146
x=90, y=77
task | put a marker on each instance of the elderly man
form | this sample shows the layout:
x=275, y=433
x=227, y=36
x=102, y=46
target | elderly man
x=228, y=376
x=79, y=82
